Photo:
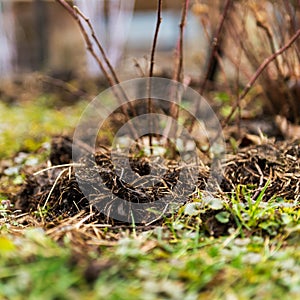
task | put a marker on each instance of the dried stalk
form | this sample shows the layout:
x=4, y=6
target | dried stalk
x=174, y=105
x=105, y=58
x=93, y=34
x=158, y=22
x=88, y=42
x=152, y=61
x=178, y=72
x=258, y=72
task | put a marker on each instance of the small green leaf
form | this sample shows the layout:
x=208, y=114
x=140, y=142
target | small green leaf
x=223, y=217
x=223, y=97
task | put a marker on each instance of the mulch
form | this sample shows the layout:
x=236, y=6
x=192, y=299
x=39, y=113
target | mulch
x=57, y=190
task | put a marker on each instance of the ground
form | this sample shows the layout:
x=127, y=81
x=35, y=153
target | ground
x=242, y=244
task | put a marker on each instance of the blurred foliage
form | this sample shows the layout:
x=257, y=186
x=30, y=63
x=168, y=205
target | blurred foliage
x=252, y=32
x=27, y=125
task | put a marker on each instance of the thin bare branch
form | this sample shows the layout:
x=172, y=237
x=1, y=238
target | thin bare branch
x=112, y=80
x=152, y=61
x=158, y=22
x=105, y=58
x=178, y=76
x=178, y=72
x=88, y=42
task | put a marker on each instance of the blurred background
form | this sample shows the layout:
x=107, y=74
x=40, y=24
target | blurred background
x=39, y=35
x=42, y=50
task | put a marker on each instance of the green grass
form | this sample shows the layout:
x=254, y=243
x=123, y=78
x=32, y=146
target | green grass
x=175, y=261
x=258, y=257
x=153, y=265
x=28, y=125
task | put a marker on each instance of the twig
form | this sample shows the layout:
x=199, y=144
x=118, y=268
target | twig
x=88, y=42
x=178, y=72
x=258, y=72
x=149, y=103
x=80, y=223
x=53, y=186
x=56, y=167
x=205, y=29
x=158, y=22
x=76, y=14
x=178, y=75
x=105, y=58
x=101, y=49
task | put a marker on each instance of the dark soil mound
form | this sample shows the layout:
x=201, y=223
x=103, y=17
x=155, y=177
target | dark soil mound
x=59, y=191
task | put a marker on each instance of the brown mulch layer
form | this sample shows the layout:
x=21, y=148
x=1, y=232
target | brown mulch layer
x=57, y=190
x=62, y=193
x=278, y=163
